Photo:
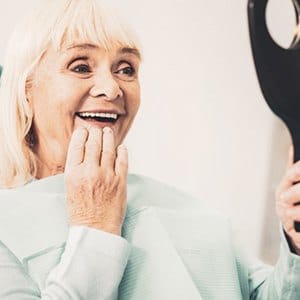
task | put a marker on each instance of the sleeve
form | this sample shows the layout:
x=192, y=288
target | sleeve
x=280, y=282
x=91, y=267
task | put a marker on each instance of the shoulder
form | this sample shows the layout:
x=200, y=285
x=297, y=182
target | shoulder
x=146, y=191
x=154, y=190
x=186, y=218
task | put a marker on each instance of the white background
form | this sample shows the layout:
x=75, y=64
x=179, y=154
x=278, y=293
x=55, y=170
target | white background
x=203, y=125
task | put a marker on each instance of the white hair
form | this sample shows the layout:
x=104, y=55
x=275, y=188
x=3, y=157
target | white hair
x=57, y=23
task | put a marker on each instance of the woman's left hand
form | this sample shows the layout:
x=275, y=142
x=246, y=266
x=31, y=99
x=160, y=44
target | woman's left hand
x=287, y=195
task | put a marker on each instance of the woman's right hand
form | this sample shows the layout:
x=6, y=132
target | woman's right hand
x=96, y=180
x=287, y=202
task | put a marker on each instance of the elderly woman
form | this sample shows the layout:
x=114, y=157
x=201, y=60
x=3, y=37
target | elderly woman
x=69, y=93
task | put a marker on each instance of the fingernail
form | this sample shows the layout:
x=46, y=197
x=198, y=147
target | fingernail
x=107, y=129
x=122, y=147
x=87, y=127
x=290, y=174
x=285, y=195
x=95, y=129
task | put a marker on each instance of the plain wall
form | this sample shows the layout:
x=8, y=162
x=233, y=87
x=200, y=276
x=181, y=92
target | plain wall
x=203, y=125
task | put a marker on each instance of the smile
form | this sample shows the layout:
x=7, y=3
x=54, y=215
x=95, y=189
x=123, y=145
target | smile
x=98, y=116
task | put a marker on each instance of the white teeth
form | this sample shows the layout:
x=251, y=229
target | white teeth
x=100, y=115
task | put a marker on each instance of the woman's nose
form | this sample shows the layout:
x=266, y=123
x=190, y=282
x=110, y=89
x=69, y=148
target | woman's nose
x=106, y=87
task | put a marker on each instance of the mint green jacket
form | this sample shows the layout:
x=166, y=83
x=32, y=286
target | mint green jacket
x=173, y=248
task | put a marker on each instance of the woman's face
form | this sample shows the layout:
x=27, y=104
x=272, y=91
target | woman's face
x=83, y=85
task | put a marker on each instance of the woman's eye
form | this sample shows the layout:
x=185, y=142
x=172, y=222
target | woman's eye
x=128, y=71
x=81, y=69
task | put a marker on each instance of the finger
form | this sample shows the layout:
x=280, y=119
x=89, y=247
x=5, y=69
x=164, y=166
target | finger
x=93, y=147
x=290, y=159
x=293, y=173
x=285, y=183
x=291, y=177
x=293, y=213
x=291, y=195
x=294, y=238
x=281, y=209
x=76, y=149
x=121, y=166
x=108, y=155
x=292, y=216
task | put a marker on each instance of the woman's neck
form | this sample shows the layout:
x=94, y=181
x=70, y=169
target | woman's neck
x=50, y=160
x=44, y=170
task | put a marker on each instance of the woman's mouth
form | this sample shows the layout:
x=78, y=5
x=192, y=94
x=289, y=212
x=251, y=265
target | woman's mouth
x=100, y=117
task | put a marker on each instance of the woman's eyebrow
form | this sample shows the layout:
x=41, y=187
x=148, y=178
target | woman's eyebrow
x=82, y=46
x=128, y=50
x=124, y=50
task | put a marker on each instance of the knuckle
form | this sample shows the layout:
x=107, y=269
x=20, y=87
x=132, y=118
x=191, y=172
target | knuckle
x=296, y=239
x=93, y=175
x=108, y=153
x=123, y=166
x=123, y=162
x=108, y=179
x=117, y=181
x=93, y=144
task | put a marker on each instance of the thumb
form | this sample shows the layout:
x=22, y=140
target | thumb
x=290, y=160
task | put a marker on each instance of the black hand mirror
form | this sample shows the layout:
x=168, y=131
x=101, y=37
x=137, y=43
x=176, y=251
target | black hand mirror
x=278, y=71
